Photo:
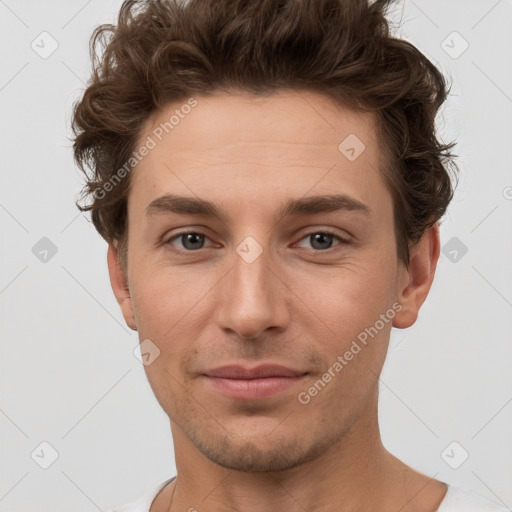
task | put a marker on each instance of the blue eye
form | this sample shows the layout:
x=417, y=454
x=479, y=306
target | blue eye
x=192, y=241
x=322, y=240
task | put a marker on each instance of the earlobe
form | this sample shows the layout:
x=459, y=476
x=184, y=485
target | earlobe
x=416, y=280
x=120, y=286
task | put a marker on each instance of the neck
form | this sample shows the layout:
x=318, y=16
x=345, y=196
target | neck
x=355, y=473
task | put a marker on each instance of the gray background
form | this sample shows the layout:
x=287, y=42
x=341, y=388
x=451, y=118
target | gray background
x=67, y=369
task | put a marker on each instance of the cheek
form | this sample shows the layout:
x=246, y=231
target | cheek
x=169, y=302
x=351, y=335
x=344, y=301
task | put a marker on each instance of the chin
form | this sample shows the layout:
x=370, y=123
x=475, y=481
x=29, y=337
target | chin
x=257, y=449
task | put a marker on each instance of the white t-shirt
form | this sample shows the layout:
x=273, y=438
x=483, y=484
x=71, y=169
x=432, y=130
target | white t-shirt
x=455, y=500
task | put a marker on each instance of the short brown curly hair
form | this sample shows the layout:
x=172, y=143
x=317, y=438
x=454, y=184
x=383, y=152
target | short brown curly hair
x=164, y=51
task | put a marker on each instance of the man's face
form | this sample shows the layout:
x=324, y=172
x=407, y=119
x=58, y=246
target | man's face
x=211, y=299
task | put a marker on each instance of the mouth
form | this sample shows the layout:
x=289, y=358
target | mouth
x=257, y=383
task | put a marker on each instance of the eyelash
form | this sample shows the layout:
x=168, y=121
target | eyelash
x=323, y=232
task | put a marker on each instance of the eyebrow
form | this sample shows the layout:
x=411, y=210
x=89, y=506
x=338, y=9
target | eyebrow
x=170, y=203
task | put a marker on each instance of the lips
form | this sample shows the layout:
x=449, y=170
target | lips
x=261, y=382
x=259, y=372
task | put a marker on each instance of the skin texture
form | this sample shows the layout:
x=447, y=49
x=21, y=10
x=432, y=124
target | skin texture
x=298, y=304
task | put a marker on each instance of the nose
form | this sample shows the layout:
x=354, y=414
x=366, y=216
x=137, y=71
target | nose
x=253, y=298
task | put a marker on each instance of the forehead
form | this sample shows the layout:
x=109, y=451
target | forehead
x=283, y=116
x=289, y=141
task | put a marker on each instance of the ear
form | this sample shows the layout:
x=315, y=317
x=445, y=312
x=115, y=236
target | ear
x=120, y=287
x=415, y=280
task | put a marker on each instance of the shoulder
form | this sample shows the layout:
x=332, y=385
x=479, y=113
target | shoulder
x=458, y=499
x=143, y=502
